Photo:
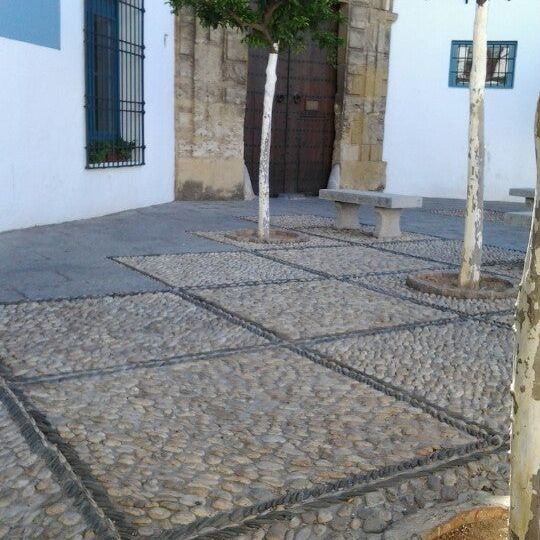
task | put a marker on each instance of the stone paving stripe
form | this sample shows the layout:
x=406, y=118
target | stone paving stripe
x=52, y=301
x=80, y=468
x=225, y=433
x=60, y=337
x=463, y=366
x=504, y=320
x=156, y=363
x=449, y=252
x=76, y=495
x=296, y=221
x=362, y=284
x=332, y=499
x=351, y=260
x=213, y=269
x=325, y=228
x=451, y=418
x=312, y=241
x=312, y=309
x=438, y=412
x=307, y=342
x=396, y=284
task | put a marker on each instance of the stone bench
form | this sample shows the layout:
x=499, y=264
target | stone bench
x=526, y=193
x=388, y=208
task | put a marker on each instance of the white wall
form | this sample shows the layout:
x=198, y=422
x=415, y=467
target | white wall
x=42, y=128
x=427, y=122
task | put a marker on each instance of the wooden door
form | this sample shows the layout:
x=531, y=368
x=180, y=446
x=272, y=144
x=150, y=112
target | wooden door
x=303, y=124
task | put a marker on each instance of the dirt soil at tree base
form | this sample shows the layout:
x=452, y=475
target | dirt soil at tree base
x=493, y=529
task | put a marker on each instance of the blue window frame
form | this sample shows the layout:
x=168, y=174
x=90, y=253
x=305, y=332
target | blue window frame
x=102, y=70
x=114, y=49
x=501, y=64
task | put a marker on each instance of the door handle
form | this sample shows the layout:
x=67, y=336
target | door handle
x=280, y=98
x=297, y=98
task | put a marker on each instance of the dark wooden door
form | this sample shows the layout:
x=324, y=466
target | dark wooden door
x=303, y=123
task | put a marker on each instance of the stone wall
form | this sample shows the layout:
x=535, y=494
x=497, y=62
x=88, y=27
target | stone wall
x=211, y=83
x=361, y=101
x=211, y=87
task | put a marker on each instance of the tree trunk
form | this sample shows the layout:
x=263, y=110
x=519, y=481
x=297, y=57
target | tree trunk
x=266, y=143
x=525, y=454
x=471, y=258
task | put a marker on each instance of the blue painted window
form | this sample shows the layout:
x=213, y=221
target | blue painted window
x=33, y=21
x=501, y=64
x=114, y=82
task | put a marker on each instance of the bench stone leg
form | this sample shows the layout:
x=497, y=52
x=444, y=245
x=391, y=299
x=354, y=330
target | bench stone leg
x=387, y=224
x=529, y=203
x=347, y=215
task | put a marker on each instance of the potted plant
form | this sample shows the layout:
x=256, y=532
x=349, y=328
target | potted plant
x=110, y=151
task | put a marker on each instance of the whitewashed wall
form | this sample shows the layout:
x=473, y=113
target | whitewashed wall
x=42, y=128
x=426, y=123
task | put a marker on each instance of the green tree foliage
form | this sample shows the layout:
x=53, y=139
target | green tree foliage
x=266, y=23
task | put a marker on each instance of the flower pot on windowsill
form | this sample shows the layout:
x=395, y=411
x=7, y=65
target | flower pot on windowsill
x=110, y=151
x=113, y=157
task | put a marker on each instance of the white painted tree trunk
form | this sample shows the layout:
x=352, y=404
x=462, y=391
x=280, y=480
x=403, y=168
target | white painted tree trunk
x=471, y=258
x=525, y=452
x=266, y=143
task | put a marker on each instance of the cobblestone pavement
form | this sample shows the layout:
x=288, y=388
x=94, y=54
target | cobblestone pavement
x=288, y=392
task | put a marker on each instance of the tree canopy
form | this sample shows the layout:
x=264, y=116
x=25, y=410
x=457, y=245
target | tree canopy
x=271, y=23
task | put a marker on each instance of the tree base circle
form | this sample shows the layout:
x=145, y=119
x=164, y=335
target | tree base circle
x=446, y=284
x=487, y=523
x=277, y=236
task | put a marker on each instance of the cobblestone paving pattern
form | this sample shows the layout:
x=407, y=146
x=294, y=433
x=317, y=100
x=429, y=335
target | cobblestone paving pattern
x=449, y=251
x=41, y=338
x=207, y=269
x=351, y=260
x=465, y=366
x=321, y=226
x=363, y=235
x=380, y=514
x=301, y=310
x=489, y=215
x=32, y=504
x=512, y=270
x=502, y=318
x=396, y=284
x=175, y=444
x=301, y=221
x=311, y=241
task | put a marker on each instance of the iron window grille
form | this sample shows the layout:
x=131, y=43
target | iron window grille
x=501, y=64
x=114, y=51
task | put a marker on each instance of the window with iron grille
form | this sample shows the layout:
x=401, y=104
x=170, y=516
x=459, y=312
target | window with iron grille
x=114, y=46
x=501, y=64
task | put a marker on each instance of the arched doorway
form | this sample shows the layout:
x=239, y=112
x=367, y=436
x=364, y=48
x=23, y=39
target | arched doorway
x=303, y=128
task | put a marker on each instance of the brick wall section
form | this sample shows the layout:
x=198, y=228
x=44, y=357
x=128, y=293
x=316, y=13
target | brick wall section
x=211, y=82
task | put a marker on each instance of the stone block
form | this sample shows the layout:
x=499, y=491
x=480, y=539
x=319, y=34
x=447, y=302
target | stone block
x=209, y=178
x=357, y=130
x=235, y=48
x=370, y=175
x=357, y=38
x=359, y=17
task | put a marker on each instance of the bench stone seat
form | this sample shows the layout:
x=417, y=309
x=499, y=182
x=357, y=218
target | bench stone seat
x=388, y=208
x=526, y=193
